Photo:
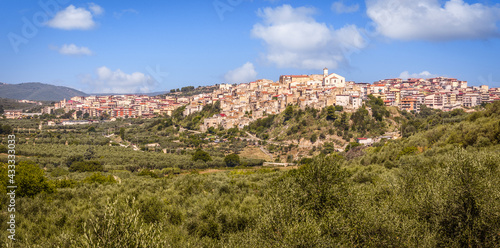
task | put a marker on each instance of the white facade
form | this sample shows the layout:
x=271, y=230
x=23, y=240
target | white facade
x=342, y=100
x=332, y=80
x=356, y=102
x=365, y=141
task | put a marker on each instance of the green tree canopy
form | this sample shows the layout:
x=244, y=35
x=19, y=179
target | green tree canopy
x=378, y=108
x=232, y=160
x=122, y=133
x=5, y=129
x=330, y=113
x=83, y=166
x=201, y=155
x=30, y=180
x=288, y=113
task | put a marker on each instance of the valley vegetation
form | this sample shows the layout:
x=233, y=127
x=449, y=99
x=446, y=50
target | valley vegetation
x=436, y=186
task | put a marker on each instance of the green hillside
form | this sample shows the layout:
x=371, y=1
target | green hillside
x=38, y=91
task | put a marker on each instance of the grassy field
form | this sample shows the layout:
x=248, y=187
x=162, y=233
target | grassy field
x=254, y=153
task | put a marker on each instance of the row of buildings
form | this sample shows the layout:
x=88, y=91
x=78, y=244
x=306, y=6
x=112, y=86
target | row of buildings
x=439, y=93
x=243, y=103
x=240, y=104
x=122, y=106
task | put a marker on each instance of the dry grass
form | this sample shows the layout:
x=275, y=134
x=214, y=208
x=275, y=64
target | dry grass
x=253, y=152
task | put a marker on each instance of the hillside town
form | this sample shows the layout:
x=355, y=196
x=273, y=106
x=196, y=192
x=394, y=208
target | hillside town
x=243, y=103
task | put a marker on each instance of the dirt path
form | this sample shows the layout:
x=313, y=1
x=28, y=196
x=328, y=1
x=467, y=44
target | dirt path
x=210, y=171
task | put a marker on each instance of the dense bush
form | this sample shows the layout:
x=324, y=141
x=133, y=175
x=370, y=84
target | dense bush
x=29, y=179
x=146, y=172
x=119, y=225
x=252, y=162
x=86, y=166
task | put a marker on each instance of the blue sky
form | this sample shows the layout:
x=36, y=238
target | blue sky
x=148, y=46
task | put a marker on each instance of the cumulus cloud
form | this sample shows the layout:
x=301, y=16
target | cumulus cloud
x=72, y=49
x=295, y=39
x=425, y=74
x=339, y=7
x=243, y=74
x=430, y=20
x=75, y=18
x=108, y=81
x=96, y=9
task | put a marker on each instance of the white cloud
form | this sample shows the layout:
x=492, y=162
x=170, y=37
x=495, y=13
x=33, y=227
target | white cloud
x=72, y=49
x=430, y=20
x=75, y=18
x=118, y=15
x=243, y=74
x=295, y=39
x=108, y=81
x=425, y=75
x=339, y=7
x=96, y=9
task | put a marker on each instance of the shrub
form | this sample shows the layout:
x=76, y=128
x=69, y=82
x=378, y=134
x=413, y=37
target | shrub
x=306, y=161
x=146, y=172
x=119, y=225
x=352, y=145
x=174, y=216
x=314, y=138
x=409, y=150
x=151, y=210
x=99, y=178
x=252, y=162
x=170, y=171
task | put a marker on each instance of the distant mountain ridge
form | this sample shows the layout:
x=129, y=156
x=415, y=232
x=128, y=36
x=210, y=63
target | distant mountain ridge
x=38, y=91
x=48, y=92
